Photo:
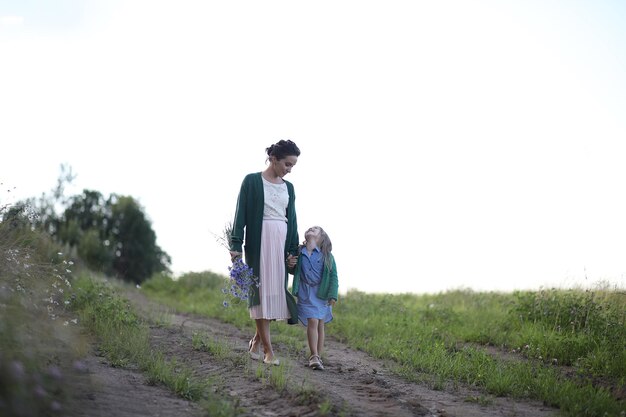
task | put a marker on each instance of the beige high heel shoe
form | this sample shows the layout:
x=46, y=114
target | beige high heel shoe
x=274, y=361
x=255, y=355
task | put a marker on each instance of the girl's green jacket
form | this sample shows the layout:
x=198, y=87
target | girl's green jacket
x=249, y=216
x=329, y=285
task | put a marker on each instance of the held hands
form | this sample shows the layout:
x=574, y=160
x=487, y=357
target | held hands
x=291, y=261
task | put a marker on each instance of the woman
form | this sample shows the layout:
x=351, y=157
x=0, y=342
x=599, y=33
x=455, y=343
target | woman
x=265, y=225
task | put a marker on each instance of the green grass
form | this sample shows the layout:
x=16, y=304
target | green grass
x=124, y=338
x=440, y=339
x=440, y=335
x=215, y=347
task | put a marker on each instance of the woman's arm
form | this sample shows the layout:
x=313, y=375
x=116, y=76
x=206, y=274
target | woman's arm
x=237, y=236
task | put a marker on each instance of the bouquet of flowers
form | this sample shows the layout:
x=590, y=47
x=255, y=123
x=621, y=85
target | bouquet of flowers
x=241, y=279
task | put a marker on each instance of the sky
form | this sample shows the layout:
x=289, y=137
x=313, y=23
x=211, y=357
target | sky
x=445, y=144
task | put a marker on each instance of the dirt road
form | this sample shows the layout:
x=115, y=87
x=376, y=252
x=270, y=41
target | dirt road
x=352, y=384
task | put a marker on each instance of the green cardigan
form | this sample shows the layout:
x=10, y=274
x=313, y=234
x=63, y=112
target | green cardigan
x=329, y=285
x=249, y=216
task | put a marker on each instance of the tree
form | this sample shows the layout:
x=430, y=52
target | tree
x=85, y=211
x=94, y=252
x=137, y=256
x=112, y=235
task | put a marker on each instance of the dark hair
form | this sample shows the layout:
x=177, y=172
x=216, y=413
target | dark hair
x=282, y=149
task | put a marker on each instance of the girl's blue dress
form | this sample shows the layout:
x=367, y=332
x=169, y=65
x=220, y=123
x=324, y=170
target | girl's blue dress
x=309, y=305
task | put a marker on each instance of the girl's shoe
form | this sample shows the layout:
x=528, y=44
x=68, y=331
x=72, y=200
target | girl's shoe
x=256, y=354
x=315, y=362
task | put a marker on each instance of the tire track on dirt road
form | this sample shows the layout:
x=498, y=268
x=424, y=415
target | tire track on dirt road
x=104, y=391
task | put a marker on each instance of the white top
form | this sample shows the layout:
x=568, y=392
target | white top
x=276, y=200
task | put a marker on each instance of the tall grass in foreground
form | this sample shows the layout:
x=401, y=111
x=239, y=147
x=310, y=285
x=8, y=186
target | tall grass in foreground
x=37, y=345
x=441, y=339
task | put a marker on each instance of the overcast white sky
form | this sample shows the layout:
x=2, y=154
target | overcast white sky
x=445, y=144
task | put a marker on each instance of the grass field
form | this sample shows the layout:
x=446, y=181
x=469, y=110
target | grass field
x=563, y=347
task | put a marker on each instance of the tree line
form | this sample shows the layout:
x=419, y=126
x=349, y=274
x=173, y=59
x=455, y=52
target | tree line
x=109, y=234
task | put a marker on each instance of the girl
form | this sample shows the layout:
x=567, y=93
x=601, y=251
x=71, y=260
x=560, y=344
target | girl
x=315, y=284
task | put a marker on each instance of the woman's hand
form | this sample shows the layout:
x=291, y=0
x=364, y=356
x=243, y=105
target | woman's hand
x=234, y=255
x=332, y=302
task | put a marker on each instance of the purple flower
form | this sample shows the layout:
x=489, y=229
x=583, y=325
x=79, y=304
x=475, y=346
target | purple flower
x=240, y=282
x=39, y=391
x=55, y=372
x=80, y=366
x=16, y=369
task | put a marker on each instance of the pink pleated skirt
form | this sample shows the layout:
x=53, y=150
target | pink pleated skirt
x=273, y=304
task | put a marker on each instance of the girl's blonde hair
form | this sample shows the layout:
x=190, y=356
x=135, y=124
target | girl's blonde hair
x=325, y=246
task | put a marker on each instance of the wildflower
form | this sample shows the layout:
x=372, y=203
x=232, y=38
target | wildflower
x=241, y=280
x=55, y=406
x=16, y=370
x=80, y=366
x=54, y=372
x=39, y=392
